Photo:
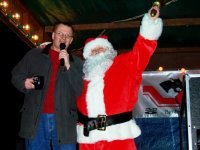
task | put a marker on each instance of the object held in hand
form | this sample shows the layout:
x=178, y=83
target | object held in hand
x=38, y=82
x=153, y=11
x=62, y=61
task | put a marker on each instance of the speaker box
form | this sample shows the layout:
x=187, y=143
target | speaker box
x=192, y=88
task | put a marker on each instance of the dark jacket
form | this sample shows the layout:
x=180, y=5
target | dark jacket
x=69, y=84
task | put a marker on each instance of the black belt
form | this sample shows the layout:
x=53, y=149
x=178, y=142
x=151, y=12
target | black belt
x=102, y=121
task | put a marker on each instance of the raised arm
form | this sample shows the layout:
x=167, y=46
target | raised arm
x=146, y=43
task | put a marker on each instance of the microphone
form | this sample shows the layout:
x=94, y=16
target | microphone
x=62, y=61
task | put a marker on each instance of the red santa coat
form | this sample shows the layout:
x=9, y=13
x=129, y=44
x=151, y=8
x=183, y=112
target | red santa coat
x=119, y=88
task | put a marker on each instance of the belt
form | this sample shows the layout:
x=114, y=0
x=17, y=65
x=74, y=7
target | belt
x=102, y=121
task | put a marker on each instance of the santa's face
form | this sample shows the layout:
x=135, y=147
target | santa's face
x=100, y=59
x=97, y=50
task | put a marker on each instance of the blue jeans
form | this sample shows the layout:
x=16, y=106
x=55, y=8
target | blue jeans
x=46, y=136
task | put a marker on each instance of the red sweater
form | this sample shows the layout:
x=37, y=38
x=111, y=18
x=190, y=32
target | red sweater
x=49, y=100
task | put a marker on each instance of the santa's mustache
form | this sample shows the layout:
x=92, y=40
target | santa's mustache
x=98, y=64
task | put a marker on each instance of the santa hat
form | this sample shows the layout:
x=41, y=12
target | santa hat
x=91, y=43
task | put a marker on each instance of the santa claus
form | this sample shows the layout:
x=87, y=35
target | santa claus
x=111, y=85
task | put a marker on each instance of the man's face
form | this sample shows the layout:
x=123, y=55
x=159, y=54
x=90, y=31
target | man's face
x=63, y=34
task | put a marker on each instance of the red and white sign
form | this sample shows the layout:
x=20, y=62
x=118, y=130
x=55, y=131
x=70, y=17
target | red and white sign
x=160, y=94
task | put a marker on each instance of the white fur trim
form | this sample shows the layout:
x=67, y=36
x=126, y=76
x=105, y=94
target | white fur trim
x=45, y=43
x=95, y=97
x=94, y=43
x=151, y=29
x=127, y=130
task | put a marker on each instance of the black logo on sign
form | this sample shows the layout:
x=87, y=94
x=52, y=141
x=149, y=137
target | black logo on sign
x=150, y=110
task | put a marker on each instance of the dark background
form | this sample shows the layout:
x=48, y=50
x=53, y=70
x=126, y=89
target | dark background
x=12, y=51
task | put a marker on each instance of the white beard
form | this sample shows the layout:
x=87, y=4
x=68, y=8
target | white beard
x=94, y=69
x=96, y=66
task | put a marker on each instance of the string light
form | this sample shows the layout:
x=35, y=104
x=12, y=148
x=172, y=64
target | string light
x=4, y=4
x=15, y=20
x=16, y=16
x=183, y=70
x=26, y=27
x=35, y=37
x=160, y=68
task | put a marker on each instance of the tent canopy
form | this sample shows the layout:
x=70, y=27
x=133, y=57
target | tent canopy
x=120, y=20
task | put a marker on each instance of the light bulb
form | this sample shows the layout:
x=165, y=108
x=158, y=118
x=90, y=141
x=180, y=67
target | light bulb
x=16, y=16
x=35, y=37
x=160, y=68
x=26, y=27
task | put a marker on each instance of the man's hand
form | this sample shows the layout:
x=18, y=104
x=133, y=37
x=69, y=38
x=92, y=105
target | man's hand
x=64, y=54
x=29, y=83
x=151, y=27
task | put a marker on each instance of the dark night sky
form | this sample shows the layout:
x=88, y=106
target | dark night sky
x=12, y=50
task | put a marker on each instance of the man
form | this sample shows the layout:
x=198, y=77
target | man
x=49, y=114
x=111, y=85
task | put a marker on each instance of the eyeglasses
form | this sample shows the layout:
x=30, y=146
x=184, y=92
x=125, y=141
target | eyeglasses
x=61, y=34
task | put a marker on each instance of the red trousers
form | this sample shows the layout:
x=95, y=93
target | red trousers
x=128, y=144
